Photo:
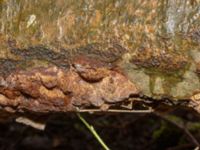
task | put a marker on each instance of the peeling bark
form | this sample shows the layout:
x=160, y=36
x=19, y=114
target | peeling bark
x=54, y=89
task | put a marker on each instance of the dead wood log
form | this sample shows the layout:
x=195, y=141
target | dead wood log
x=99, y=55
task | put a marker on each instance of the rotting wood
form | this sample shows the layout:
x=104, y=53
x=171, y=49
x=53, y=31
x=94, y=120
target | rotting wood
x=54, y=89
x=86, y=84
x=83, y=55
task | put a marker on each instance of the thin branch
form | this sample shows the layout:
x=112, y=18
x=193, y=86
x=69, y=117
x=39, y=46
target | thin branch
x=116, y=110
x=93, y=131
x=32, y=123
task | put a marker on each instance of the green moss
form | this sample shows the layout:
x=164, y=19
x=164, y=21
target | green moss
x=193, y=126
x=157, y=133
x=165, y=133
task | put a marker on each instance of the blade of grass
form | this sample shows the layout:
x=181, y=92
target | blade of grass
x=93, y=131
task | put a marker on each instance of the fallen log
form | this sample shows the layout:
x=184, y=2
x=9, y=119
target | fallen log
x=111, y=56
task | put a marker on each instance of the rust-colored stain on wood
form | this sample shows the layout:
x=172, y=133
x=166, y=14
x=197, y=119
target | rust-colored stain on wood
x=54, y=89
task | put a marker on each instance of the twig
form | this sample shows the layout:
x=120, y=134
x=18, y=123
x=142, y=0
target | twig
x=93, y=131
x=196, y=148
x=186, y=131
x=116, y=110
x=32, y=123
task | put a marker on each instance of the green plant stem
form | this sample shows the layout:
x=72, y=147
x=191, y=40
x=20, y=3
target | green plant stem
x=93, y=131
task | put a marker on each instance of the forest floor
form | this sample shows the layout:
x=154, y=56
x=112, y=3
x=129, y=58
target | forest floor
x=179, y=130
